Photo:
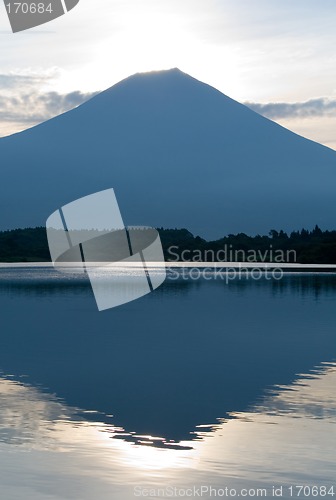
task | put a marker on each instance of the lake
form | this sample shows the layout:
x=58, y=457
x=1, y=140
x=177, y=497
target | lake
x=199, y=389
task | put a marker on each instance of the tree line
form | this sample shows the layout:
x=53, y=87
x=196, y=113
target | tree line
x=309, y=246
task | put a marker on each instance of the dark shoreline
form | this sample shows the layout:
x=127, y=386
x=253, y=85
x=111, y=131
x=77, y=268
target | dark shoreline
x=299, y=247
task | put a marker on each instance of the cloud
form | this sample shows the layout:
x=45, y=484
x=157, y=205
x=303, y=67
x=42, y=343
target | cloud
x=319, y=107
x=23, y=103
x=28, y=79
x=13, y=81
x=26, y=101
x=34, y=107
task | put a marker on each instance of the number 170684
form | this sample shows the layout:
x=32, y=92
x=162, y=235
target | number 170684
x=28, y=8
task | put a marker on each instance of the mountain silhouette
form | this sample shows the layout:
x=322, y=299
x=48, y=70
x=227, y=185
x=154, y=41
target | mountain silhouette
x=178, y=154
x=188, y=354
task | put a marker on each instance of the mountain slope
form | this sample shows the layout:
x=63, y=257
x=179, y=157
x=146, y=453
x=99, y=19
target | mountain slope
x=178, y=153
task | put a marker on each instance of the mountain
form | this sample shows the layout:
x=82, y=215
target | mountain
x=178, y=154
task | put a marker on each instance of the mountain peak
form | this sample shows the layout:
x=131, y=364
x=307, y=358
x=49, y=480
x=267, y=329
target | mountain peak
x=178, y=153
x=159, y=78
x=157, y=73
x=163, y=90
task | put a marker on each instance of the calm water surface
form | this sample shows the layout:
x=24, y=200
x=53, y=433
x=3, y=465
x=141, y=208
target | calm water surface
x=199, y=384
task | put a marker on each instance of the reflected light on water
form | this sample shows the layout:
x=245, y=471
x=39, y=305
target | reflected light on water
x=245, y=447
x=105, y=364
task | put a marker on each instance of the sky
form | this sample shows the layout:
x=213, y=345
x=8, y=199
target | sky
x=277, y=57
